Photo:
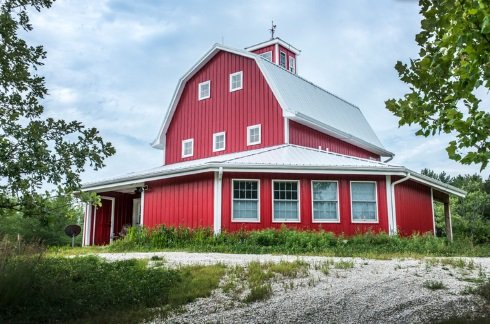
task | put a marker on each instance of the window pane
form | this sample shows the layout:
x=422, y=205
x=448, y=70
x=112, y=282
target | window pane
x=325, y=210
x=245, y=199
x=324, y=191
x=364, y=210
x=286, y=210
x=363, y=191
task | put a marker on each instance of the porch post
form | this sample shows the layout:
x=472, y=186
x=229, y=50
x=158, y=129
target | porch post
x=447, y=216
x=218, y=181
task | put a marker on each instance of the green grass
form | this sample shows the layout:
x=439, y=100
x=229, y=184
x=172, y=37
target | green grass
x=344, y=265
x=36, y=288
x=434, y=285
x=255, y=279
x=288, y=241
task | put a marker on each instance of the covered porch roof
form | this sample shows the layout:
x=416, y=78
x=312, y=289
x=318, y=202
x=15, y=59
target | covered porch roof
x=286, y=158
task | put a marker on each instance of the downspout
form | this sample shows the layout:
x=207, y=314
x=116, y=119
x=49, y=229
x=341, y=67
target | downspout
x=218, y=177
x=393, y=202
x=389, y=159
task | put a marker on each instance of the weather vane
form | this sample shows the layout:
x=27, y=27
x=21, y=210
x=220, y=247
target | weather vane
x=272, y=30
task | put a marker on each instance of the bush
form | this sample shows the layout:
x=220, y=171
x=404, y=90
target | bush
x=291, y=241
x=34, y=288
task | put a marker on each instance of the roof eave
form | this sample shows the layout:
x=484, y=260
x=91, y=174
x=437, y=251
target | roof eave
x=303, y=119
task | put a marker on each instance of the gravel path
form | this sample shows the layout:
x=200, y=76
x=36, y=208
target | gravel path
x=373, y=291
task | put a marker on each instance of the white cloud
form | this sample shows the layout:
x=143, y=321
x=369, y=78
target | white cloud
x=114, y=64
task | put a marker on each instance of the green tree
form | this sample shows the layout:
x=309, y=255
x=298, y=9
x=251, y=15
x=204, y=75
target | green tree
x=452, y=68
x=34, y=149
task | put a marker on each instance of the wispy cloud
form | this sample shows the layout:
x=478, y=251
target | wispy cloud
x=114, y=64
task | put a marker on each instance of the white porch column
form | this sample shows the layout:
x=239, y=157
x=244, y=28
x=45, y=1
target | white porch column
x=142, y=221
x=389, y=203
x=218, y=183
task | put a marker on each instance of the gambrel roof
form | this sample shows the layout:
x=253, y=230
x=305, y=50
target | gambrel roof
x=301, y=101
x=287, y=158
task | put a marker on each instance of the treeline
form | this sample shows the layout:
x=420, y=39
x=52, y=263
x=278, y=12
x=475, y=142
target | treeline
x=471, y=215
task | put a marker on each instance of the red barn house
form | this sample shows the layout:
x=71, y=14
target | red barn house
x=249, y=144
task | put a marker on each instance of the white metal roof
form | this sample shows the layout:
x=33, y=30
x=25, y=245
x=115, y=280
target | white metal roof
x=285, y=158
x=300, y=100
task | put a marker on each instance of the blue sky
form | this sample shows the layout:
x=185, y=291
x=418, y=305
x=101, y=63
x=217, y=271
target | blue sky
x=114, y=64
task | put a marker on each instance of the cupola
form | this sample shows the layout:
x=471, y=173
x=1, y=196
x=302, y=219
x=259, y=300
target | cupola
x=278, y=52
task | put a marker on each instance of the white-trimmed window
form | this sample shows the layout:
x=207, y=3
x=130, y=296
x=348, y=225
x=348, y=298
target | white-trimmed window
x=245, y=201
x=364, y=201
x=236, y=81
x=325, y=201
x=254, y=134
x=267, y=55
x=204, y=90
x=292, y=65
x=282, y=59
x=188, y=147
x=219, y=142
x=285, y=195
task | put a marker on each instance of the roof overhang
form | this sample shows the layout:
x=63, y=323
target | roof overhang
x=140, y=180
x=326, y=129
x=274, y=41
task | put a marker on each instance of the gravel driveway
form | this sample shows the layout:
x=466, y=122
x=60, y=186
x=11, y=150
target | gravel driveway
x=372, y=291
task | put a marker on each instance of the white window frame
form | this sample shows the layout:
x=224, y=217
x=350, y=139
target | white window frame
x=199, y=90
x=184, y=142
x=240, y=73
x=246, y=220
x=285, y=60
x=368, y=221
x=267, y=55
x=299, y=202
x=249, y=128
x=215, y=135
x=292, y=65
x=313, y=204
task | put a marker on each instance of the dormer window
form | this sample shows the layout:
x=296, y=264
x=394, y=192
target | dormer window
x=267, y=55
x=204, y=90
x=253, y=134
x=236, y=81
x=188, y=147
x=282, y=59
x=219, y=142
x=292, y=65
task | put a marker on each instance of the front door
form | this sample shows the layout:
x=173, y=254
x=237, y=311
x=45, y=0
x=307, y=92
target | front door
x=103, y=223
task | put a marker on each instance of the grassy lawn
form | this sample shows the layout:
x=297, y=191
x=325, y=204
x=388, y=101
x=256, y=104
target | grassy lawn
x=285, y=241
x=37, y=288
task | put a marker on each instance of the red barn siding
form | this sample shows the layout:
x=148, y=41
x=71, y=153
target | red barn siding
x=288, y=54
x=270, y=48
x=184, y=201
x=413, y=208
x=305, y=136
x=345, y=226
x=225, y=111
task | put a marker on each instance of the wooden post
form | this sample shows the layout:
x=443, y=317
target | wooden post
x=449, y=226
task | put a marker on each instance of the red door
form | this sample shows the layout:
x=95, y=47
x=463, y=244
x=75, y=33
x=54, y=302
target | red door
x=103, y=223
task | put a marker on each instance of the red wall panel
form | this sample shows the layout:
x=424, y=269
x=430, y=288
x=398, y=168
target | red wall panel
x=288, y=54
x=413, y=208
x=344, y=227
x=225, y=111
x=270, y=48
x=305, y=136
x=184, y=201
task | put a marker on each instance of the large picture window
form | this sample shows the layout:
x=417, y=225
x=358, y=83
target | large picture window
x=325, y=201
x=245, y=203
x=364, y=201
x=286, y=201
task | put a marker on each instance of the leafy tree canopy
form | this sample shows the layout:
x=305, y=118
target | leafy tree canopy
x=35, y=149
x=452, y=68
